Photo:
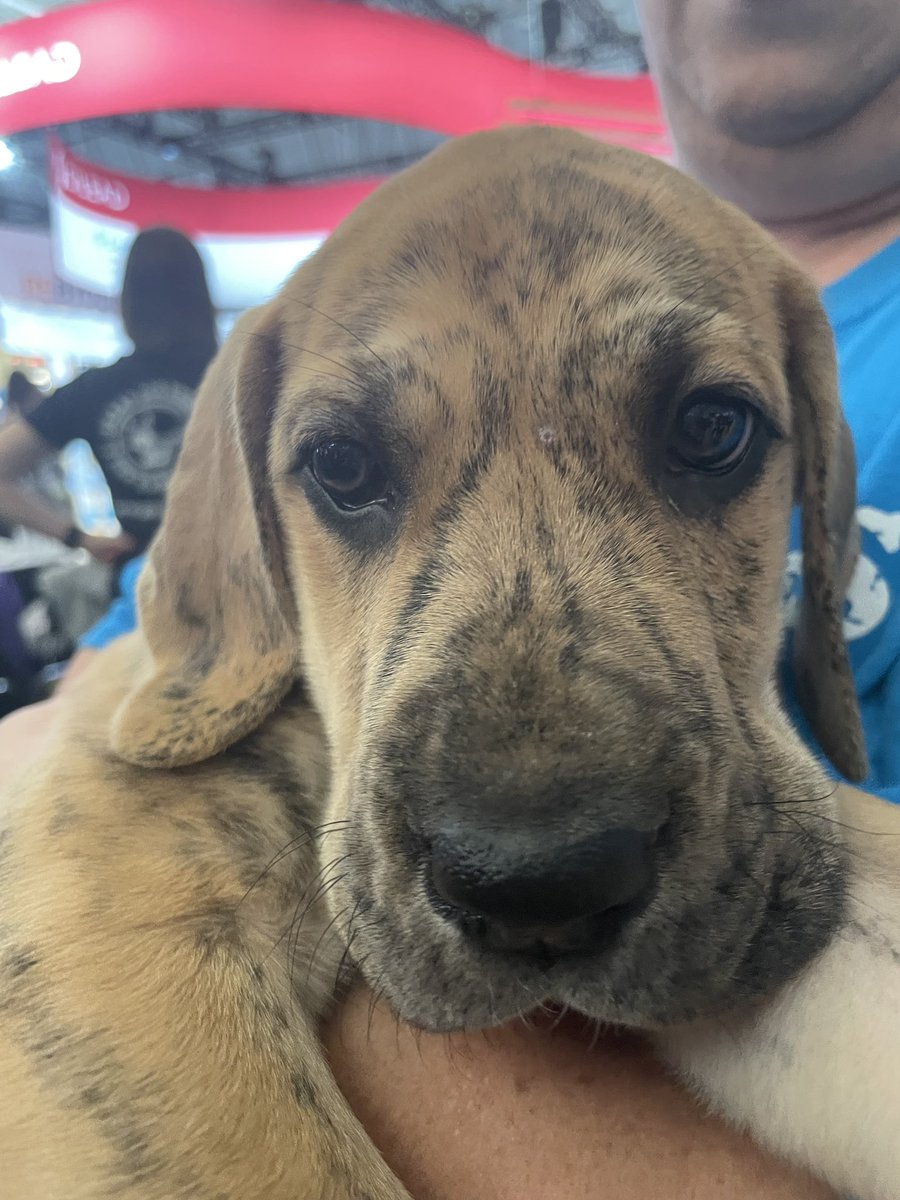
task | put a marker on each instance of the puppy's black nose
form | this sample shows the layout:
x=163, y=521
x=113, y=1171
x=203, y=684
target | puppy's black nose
x=557, y=900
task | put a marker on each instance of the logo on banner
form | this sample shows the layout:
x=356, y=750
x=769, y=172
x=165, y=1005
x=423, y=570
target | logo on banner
x=29, y=69
x=82, y=183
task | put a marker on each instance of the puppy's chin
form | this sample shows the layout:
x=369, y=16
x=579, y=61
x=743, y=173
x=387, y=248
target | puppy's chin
x=493, y=1004
x=551, y=1018
x=498, y=995
x=741, y=901
x=672, y=965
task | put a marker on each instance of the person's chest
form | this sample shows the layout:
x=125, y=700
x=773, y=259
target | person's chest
x=868, y=351
x=869, y=367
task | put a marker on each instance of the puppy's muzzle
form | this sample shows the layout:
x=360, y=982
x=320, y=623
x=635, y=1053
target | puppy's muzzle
x=538, y=897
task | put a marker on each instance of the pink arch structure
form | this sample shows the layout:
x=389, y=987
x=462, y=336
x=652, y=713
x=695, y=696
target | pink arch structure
x=314, y=56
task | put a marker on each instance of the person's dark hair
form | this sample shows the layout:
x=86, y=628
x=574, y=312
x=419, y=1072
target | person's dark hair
x=21, y=393
x=165, y=298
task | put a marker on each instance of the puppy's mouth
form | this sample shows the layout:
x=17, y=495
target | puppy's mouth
x=541, y=944
x=555, y=1019
x=636, y=928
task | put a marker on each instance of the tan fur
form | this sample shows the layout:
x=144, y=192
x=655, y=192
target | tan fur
x=227, y=824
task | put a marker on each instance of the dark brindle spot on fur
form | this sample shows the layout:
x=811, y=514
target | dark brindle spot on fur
x=82, y=1070
x=217, y=931
x=869, y=932
x=423, y=587
x=6, y=844
x=570, y=658
x=501, y=315
x=483, y=270
x=17, y=962
x=560, y=243
x=243, y=580
x=240, y=830
x=520, y=602
x=304, y=1091
x=469, y=477
x=65, y=815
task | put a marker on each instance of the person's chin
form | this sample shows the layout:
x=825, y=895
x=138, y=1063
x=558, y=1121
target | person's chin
x=767, y=124
x=775, y=101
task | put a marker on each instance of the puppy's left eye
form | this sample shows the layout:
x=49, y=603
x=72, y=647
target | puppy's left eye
x=348, y=473
x=711, y=434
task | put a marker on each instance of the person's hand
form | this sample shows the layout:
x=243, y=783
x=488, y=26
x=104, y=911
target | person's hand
x=108, y=549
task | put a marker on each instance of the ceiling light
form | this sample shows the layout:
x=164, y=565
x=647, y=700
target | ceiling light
x=7, y=155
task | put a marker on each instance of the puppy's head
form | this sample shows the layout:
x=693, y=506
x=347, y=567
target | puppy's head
x=505, y=475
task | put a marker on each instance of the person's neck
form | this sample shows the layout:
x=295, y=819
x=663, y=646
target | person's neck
x=832, y=201
x=832, y=244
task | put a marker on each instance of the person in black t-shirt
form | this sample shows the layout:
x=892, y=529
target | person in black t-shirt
x=47, y=480
x=21, y=394
x=133, y=413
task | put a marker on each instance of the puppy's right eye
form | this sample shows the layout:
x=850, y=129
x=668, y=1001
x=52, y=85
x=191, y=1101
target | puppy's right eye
x=349, y=475
x=712, y=433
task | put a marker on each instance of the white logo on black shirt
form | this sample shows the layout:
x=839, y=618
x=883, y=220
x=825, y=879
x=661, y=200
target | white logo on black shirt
x=141, y=432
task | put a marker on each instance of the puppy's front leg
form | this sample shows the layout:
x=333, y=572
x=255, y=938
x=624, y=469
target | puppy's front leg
x=815, y=1074
x=148, y=1075
x=154, y=1044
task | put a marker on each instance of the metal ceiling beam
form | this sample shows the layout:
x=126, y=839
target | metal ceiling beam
x=383, y=165
x=255, y=127
x=224, y=170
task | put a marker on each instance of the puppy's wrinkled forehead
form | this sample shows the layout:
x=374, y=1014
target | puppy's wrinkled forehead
x=528, y=255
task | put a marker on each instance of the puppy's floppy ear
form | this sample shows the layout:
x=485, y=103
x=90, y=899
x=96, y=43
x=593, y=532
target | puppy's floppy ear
x=826, y=490
x=217, y=612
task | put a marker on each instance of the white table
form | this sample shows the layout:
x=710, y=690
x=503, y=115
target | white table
x=26, y=551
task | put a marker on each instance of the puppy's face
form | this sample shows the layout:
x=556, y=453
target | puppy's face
x=534, y=445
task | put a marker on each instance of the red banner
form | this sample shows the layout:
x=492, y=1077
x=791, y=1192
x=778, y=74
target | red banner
x=249, y=239
x=311, y=209
x=123, y=56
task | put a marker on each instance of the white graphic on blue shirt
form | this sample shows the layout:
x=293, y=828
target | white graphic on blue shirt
x=868, y=596
x=885, y=526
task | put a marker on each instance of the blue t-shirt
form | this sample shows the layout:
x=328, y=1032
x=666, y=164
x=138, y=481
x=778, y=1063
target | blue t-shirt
x=864, y=308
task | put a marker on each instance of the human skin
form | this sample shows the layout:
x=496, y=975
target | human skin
x=22, y=449
x=792, y=111
x=540, y=1114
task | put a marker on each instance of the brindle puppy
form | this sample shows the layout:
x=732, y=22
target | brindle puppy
x=458, y=662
